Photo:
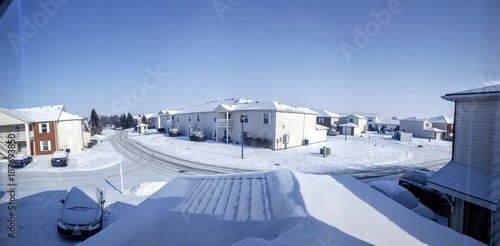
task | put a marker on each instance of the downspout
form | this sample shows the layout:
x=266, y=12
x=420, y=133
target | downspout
x=227, y=127
x=28, y=139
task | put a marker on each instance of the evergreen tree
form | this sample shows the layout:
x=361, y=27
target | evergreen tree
x=95, y=125
x=130, y=120
x=144, y=119
x=123, y=121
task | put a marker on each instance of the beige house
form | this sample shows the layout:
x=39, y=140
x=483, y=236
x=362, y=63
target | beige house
x=421, y=128
x=472, y=178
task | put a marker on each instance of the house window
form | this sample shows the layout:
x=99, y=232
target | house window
x=45, y=145
x=177, y=118
x=351, y=120
x=427, y=125
x=44, y=128
x=245, y=117
x=17, y=128
x=189, y=118
x=321, y=120
x=215, y=117
x=265, y=118
x=198, y=118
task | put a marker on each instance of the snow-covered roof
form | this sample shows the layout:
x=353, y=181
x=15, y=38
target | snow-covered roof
x=320, y=127
x=68, y=116
x=488, y=91
x=433, y=129
x=42, y=114
x=356, y=116
x=388, y=122
x=332, y=114
x=349, y=125
x=20, y=116
x=469, y=183
x=442, y=119
x=211, y=106
x=369, y=115
x=273, y=208
x=414, y=119
x=321, y=113
x=264, y=106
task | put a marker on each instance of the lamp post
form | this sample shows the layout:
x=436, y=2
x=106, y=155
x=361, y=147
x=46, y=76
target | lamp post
x=242, y=119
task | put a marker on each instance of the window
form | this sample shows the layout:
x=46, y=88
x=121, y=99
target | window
x=198, y=118
x=177, y=118
x=321, y=120
x=45, y=145
x=266, y=118
x=44, y=128
x=245, y=118
x=189, y=118
x=351, y=120
x=215, y=117
x=17, y=128
x=427, y=125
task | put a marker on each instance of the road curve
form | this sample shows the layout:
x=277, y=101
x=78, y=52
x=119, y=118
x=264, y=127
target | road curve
x=163, y=163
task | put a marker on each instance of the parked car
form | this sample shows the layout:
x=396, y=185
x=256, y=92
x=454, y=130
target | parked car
x=21, y=160
x=82, y=213
x=403, y=197
x=60, y=158
x=416, y=182
x=332, y=132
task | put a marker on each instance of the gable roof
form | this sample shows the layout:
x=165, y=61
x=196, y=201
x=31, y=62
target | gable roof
x=442, y=119
x=414, y=119
x=469, y=183
x=332, y=114
x=68, y=116
x=42, y=114
x=20, y=116
x=388, y=122
x=321, y=113
x=264, y=106
x=356, y=116
x=488, y=91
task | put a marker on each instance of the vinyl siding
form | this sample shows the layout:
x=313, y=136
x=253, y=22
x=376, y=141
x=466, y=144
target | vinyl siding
x=456, y=217
x=477, y=133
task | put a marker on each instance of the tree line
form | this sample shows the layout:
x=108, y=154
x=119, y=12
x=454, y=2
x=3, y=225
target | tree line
x=97, y=122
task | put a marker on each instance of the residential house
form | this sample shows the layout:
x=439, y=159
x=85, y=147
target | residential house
x=283, y=125
x=335, y=119
x=371, y=120
x=420, y=127
x=43, y=130
x=166, y=119
x=353, y=124
x=388, y=124
x=323, y=118
x=16, y=126
x=444, y=123
x=472, y=178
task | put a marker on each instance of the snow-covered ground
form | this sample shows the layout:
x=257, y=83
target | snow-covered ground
x=368, y=151
x=40, y=186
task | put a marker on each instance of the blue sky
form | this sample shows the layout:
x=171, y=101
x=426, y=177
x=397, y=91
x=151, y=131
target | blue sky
x=114, y=56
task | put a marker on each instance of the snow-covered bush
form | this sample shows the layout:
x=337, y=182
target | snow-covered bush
x=198, y=137
x=257, y=142
x=249, y=141
x=174, y=132
x=266, y=144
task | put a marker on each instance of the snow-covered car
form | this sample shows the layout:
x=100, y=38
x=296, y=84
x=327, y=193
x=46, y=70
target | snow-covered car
x=21, y=160
x=82, y=212
x=416, y=182
x=60, y=158
x=403, y=197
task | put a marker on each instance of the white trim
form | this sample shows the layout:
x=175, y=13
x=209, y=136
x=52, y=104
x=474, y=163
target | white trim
x=48, y=145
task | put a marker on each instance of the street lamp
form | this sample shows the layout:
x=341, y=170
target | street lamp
x=242, y=119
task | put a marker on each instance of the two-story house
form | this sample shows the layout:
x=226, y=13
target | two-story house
x=420, y=127
x=472, y=178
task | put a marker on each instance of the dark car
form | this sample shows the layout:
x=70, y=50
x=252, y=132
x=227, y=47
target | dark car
x=82, y=213
x=416, y=182
x=21, y=160
x=60, y=158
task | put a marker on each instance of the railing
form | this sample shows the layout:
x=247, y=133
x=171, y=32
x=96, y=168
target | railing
x=224, y=122
x=18, y=136
x=4, y=149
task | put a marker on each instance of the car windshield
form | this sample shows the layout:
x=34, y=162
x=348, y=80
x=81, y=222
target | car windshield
x=79, y=199
x=406, y=199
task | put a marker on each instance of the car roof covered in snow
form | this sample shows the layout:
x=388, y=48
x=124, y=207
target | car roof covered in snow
x=59, y=154
x=273, y=208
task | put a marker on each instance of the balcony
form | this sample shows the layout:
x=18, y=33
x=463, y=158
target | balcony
x=225, y=122
x=18, y=136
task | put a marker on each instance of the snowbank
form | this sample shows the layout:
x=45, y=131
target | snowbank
x=273, y=208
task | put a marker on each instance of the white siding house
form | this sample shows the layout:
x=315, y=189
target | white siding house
x=472, y=178
x=354, y=124
x=420, y=127
x=70, y=132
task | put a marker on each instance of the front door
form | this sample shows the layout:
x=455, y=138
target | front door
x=477, y=222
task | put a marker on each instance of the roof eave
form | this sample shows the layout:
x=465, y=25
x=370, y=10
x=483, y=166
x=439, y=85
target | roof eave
x=455, y=97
